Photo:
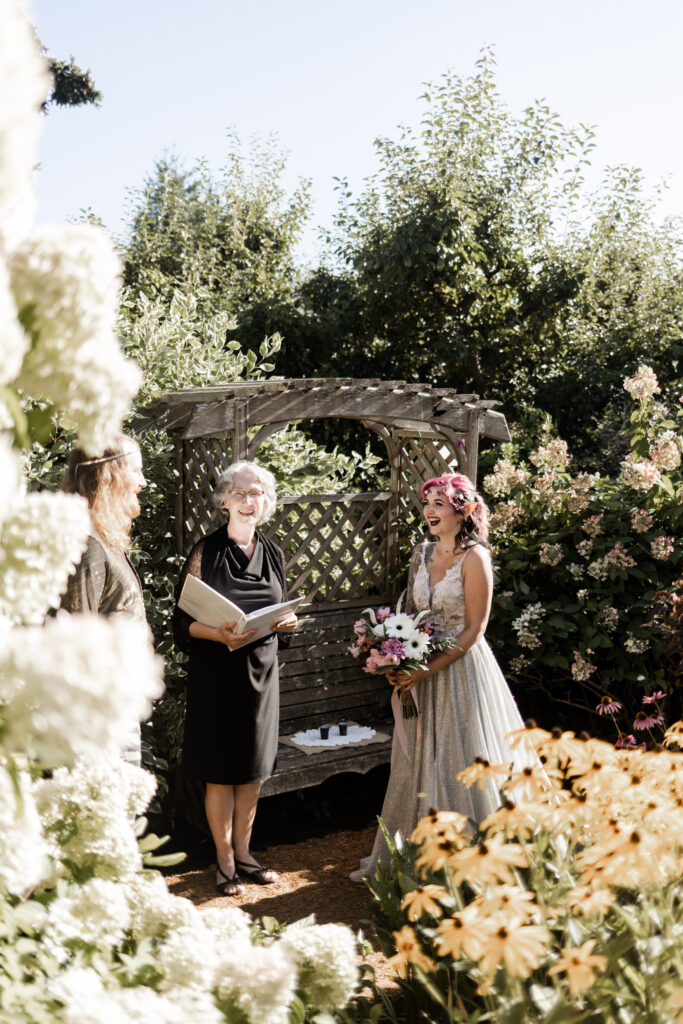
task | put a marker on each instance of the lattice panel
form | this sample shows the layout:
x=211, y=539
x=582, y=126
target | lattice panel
x=204, y=459
x=335, y=546
x=420, y=459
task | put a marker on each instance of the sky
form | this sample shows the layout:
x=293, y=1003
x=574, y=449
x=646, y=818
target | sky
x=329, y=78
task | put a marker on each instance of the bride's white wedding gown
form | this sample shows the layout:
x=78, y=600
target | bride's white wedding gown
x=465, y=711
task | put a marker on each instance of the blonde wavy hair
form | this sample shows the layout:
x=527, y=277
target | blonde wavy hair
x=100, y=479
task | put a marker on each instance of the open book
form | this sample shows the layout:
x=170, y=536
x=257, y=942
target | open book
x=206, y=605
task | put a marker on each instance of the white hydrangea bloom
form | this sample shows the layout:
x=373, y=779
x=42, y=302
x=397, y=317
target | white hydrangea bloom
x=76, y=684
x=182, y=1006
x=65, y=281
x=88, y=810
x=262, y=985
x=228, y=925
x=85, y=999
x=41, y=540
x=23, y=850
x=326, y=957
x=24, y=85
x=95, y=912
x=13, y=341
x=527, y=625
x=154, y=911
x=10, y=474
x=69, y=277
x=188, y=956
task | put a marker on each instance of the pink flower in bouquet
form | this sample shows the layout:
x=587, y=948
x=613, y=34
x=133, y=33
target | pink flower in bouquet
x=394, y=647
x=377, y=661
x=383, y=613
x=353, y=651
x=360, y=626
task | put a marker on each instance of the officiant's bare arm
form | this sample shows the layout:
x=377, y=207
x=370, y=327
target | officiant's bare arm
x=222, y=634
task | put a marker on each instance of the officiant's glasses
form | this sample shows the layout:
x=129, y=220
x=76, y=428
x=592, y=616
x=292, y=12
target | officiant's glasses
x=241, y=495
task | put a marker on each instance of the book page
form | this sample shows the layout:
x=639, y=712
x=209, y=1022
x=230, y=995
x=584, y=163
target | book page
x=263, y=618
x=206, y=605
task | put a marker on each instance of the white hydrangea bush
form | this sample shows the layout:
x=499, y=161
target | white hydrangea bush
x=326, y=960
x=41, y=540
x=65, y=282
x=72, y=686
x=89, y=934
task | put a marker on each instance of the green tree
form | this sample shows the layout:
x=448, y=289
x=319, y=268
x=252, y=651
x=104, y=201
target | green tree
x=72, y=87
x=473, y=258
x=231, y=238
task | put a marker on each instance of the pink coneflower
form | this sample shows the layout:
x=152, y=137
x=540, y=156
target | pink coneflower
x=657, y=695
x=643, y=721
x=608, y=706
x=626, y=741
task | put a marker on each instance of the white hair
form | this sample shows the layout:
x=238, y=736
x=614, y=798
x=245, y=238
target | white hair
x=224, y=484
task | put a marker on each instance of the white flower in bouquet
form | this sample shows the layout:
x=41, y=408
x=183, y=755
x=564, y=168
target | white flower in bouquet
x=88, y=811
x=23, y=850
x=417, y=645
x=65, y=281
x=326, y=957
x=41, y=540
x=400, y=626
x=154, y=911
x=95, y=912
x=262, y=983
x=188, y=956
x=24, y=85
x=75, y=685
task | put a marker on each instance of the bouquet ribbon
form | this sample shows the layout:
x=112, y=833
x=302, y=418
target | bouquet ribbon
x=398, y=717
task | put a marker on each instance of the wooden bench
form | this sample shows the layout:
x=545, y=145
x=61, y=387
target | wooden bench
x=320, y=683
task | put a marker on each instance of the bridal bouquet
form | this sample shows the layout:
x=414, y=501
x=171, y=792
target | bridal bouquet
x=396, y=640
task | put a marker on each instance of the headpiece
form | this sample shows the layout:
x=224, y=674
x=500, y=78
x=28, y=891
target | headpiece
x=100, y=459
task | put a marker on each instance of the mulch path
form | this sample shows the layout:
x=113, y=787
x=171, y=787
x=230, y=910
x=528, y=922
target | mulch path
x=314, y=879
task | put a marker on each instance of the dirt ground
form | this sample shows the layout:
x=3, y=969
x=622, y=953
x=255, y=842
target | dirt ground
x=314, y=879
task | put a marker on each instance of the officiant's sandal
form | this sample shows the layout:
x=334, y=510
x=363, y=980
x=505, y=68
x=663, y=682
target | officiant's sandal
x=258, y=874
x=231, y=886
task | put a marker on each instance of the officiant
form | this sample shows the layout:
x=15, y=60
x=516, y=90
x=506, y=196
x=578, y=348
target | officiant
x=231, y=725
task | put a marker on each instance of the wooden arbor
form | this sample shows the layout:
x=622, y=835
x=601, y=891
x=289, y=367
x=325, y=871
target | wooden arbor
x=341, y=550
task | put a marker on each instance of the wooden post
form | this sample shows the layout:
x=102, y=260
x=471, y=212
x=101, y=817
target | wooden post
x=240, y=449
x=472, y=441
x=180, y=496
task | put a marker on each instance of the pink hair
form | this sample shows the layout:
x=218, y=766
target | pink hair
x=460, y=490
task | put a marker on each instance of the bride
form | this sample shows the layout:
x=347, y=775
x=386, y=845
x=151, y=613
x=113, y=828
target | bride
x=465, y=707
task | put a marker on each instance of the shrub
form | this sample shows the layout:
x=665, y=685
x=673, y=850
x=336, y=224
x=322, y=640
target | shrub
x=581, y=559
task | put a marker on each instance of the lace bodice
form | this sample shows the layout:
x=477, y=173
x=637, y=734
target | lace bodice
x=445, y=602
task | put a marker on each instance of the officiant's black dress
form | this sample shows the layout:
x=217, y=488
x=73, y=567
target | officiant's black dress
x=233, y=699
